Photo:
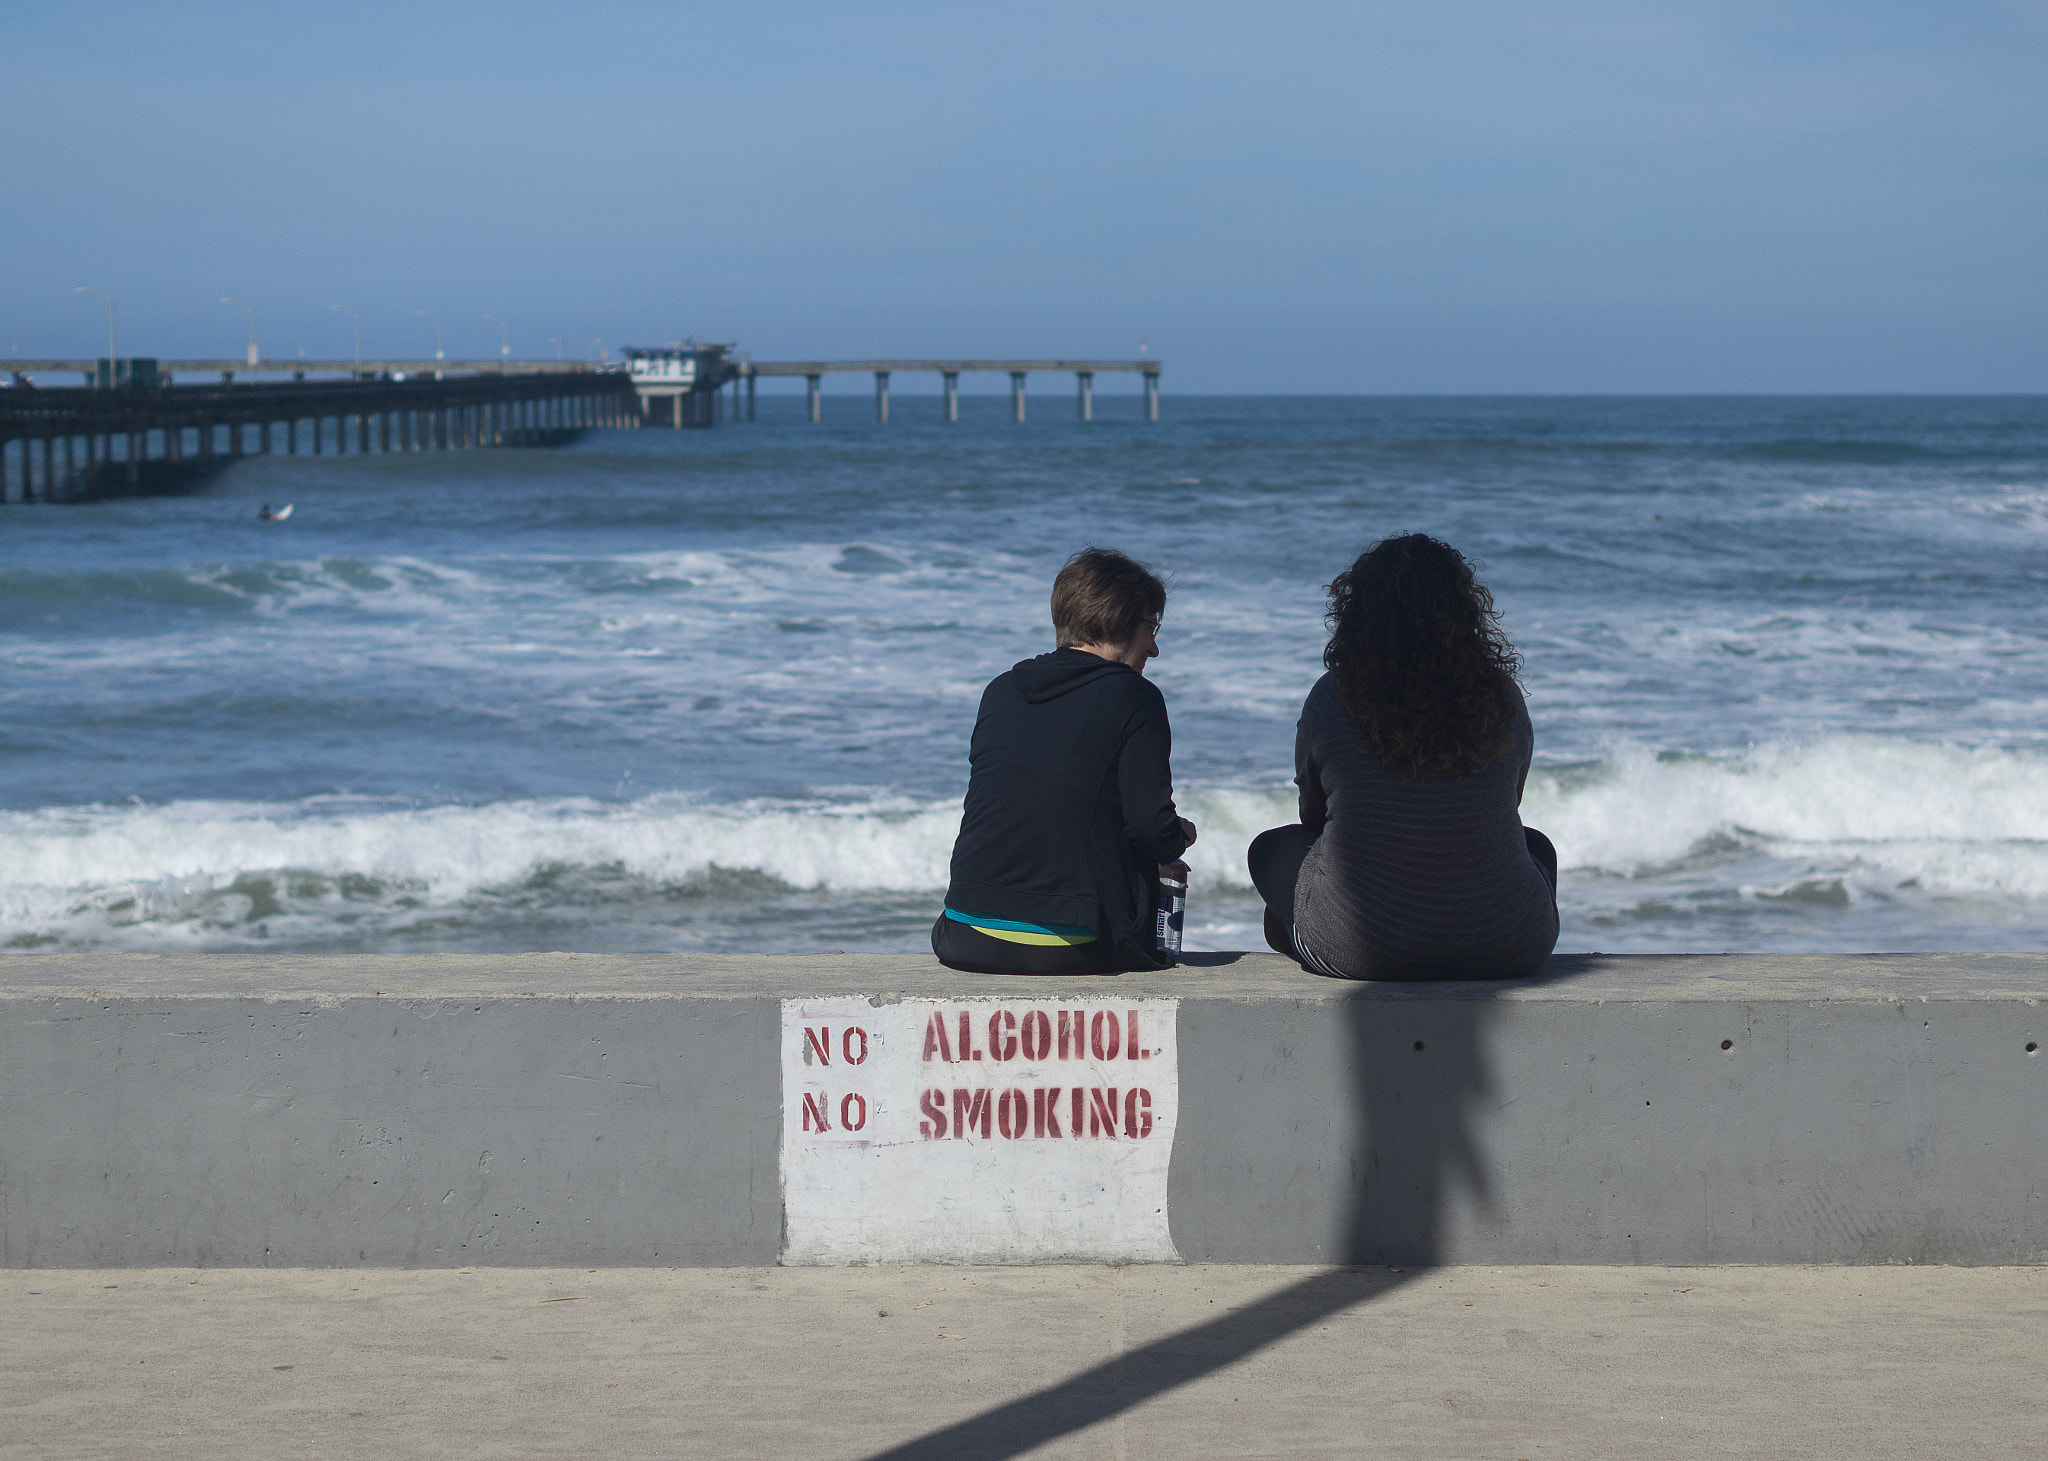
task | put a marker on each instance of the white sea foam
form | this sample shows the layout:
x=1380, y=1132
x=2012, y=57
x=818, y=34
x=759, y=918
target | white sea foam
x=1967, y=820
x=1837, y=819
x=449, y=851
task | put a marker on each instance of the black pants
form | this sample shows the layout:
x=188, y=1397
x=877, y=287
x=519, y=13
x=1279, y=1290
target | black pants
x=1275, y=859
x=961, y=946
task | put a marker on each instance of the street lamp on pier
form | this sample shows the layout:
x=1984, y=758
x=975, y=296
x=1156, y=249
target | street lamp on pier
x=359, y=334
x=88, y=289
x=504, y=337
x=439, y=353
x=228, y=299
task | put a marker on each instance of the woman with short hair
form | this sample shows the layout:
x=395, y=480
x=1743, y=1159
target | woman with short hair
x=1411, y=860
x=1069, y=809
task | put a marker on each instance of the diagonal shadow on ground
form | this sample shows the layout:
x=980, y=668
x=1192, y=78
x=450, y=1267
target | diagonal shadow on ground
x=1390, y=1150
x=1131, y=1379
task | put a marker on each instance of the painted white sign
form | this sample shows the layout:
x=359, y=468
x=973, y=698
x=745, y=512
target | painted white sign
x=980, y=1130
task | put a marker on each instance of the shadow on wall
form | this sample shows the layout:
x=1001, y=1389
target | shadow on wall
x=1366, y=1174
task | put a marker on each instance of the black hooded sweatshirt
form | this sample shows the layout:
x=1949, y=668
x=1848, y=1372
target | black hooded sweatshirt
x=1070, y=802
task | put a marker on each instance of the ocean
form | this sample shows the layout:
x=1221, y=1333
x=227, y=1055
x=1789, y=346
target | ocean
x=713, y=689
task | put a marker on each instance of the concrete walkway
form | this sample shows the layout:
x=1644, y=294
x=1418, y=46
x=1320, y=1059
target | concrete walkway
x=1580, y=1363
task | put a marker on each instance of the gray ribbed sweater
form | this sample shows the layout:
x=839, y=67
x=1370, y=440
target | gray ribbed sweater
x=1431, y=880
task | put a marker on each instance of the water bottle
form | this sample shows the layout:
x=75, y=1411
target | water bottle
x=1173, y=904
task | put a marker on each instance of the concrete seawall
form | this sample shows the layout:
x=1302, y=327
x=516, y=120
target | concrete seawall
x=698, y=1110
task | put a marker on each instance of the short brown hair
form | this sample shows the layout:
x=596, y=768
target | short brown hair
x=1101, y=597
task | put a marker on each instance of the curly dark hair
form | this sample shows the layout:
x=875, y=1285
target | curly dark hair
x=1419, y=660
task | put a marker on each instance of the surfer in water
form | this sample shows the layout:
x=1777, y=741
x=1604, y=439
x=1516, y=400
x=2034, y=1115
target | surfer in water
x=269, y=514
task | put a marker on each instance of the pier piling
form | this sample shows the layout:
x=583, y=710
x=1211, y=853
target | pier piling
x=949, y=373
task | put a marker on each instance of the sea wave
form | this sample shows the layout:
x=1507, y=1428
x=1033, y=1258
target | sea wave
x=202, y=874
x=1787, y=825
x=1970, y=819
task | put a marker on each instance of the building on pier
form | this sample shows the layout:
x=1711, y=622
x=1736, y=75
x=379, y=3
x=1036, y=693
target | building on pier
x=128, y=373
x=679, y=385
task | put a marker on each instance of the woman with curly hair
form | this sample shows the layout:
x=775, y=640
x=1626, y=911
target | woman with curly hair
x=1411, y=860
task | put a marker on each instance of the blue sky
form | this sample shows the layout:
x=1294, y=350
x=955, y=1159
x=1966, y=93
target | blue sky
x=1274, y=198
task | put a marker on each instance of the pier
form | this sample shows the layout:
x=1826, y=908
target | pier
x=683, y=385
x=59, y=444
x=131, y=428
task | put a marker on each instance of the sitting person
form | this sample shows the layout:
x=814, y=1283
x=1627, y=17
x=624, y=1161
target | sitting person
x=1069, y=808
x=1411, y=860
